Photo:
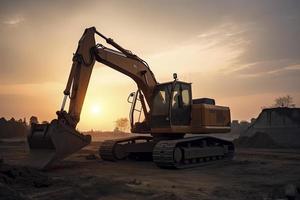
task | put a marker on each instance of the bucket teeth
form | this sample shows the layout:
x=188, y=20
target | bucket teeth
x=49, y=143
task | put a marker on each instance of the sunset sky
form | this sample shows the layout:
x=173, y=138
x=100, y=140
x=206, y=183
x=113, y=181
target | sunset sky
x=242, y=53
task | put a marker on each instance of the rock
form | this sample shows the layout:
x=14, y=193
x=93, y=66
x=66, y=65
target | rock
x=290, y=192
x=135, y=182
x=258, y=140
x=91, y=157
x=165, y=196
x=8, y=193
x=41, y=182
x=23, y=175
x=5, y=179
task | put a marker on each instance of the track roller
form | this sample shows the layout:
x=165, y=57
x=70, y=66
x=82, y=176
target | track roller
x=191, y=152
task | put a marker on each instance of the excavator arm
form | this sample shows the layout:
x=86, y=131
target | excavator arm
x=83, y=61
x=59, y=139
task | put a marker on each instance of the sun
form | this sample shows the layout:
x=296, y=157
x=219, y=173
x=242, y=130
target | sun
x=95, y=109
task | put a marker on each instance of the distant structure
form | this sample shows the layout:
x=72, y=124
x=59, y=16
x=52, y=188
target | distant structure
x=238, y=127
x=282, y=124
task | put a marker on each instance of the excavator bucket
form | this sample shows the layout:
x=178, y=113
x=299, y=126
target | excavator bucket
x=52, y=142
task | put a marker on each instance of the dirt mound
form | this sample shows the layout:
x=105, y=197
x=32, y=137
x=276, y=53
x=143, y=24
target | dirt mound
x=8, y=193
x=165, y=196
x=13, y=175
x=12, y=178
x=258, y=140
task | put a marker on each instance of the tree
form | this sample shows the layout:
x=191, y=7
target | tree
x=285, y=101
x=122, y=124
x=33, y=120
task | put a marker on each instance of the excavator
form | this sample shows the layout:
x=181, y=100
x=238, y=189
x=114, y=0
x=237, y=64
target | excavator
x=161, y=115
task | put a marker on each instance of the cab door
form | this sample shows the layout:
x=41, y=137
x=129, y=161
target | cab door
x=181, y=104
x=161, y=106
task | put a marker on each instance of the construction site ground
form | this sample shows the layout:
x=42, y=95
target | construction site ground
x=253, y=174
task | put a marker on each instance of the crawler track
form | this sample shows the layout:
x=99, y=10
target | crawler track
x=119, y=149
x=191, y=152
x=179, y=153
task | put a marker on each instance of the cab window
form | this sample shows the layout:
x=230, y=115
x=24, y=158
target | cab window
x=186, y=100
x=161, y=101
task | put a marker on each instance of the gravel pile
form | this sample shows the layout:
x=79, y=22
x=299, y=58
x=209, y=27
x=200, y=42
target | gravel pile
x=258, y=140
x=12, y=178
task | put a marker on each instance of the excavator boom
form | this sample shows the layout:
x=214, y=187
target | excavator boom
x=55, y=141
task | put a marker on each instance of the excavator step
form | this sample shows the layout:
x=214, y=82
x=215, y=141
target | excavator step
x=191, y=152
x=119, y=149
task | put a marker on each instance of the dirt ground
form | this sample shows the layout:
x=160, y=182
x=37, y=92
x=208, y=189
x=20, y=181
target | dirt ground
x=253, y=174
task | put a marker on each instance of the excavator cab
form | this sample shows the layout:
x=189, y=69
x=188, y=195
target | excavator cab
x=171, y=105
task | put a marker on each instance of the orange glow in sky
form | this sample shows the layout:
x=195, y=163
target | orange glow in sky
x=231, y=52
x=95, y=109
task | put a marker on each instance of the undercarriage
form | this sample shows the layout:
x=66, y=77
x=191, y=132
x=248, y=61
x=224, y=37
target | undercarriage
x=168, y=153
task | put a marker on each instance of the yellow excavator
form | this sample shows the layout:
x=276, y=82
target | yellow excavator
x=168, y=109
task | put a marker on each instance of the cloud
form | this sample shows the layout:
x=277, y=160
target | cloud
x=236, y=37
x=265, y=67
x=14, y=21
x=211, y=51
